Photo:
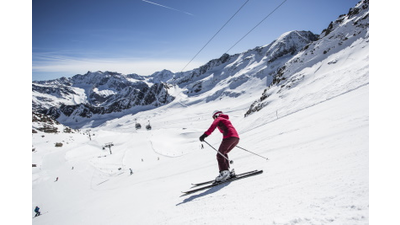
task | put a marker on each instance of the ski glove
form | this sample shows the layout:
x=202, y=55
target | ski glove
x=202, y=137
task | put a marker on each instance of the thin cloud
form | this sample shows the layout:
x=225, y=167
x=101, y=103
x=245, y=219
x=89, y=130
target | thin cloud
x=49, y=63
x=156, y=4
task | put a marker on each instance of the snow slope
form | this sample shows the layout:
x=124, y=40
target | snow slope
x=317, y=172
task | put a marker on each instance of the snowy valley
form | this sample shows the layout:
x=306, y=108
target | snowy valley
x=302, y=101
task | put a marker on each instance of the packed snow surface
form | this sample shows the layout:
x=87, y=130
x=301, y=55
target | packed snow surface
x=317, y=172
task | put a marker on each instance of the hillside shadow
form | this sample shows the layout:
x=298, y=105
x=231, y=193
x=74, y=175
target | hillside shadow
x=207, y=192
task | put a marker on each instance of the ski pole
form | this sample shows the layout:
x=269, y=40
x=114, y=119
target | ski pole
x=252, y=152
x=230, y=161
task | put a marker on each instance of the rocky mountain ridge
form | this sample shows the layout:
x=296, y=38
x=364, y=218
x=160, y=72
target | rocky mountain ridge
x=83, y=96
x=345, y=32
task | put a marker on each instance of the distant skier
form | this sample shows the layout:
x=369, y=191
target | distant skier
x=37, y=211
x=229, y=141
x=131, y=171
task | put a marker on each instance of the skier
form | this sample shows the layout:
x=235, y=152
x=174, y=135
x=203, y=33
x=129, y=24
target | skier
x=229, y=141
x=37, y=211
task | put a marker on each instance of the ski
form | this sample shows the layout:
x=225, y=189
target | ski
x=39, y=214
x=237, y=177
x=211, y=181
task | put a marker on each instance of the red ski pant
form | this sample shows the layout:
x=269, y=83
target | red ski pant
x=226, y=146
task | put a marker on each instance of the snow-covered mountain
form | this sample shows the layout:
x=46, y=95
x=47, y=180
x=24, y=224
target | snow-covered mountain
x=46, y=124
x=224, y=75
x=96, y=97
x=306, y=101
x=96, y=93
x=337, y=52
x=80, y=100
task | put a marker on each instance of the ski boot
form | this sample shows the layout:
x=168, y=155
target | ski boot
x=223, y=176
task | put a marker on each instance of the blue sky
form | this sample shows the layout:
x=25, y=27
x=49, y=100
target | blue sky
x=72, y=37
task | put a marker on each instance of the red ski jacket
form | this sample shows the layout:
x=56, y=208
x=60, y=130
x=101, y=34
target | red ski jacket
x=224, y=125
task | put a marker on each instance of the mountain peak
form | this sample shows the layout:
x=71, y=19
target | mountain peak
x=289, y=42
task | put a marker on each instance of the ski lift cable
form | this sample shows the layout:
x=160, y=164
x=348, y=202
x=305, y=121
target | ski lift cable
x=256, y=25
x=215, y=35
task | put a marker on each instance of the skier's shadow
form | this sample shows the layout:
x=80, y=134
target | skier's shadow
x=209, y=191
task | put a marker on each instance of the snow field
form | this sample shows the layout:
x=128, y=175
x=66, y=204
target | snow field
x=317, y=172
